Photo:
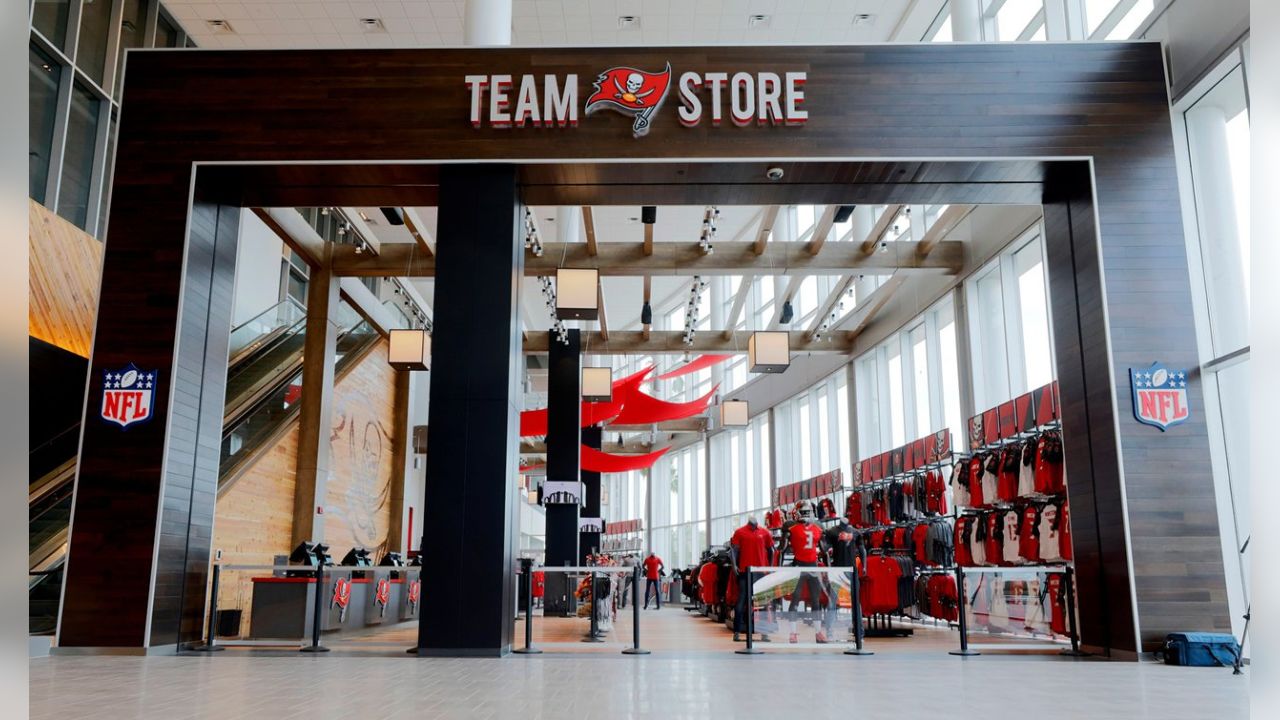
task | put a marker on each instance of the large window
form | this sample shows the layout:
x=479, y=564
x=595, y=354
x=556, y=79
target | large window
x=812, y=432
x=1011, y=345
x=78, y=156
x=908, y=386
x=680, y=505
x=740, y=476
x=45, y=77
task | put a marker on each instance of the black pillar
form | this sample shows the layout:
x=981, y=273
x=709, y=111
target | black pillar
x=564, y=411
x=474, y=416
x=587, y=541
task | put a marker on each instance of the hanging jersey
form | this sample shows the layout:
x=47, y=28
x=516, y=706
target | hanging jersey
x=1012, y=545
x=1050, y=543
x=1058, y=604
x=1049, y=476
x=964, y=557
x=920, y=539
x=1029, y=534
x=804, y=539
x=1064, y=532
x=995, y=536
x=960, y=483
x=1010, y=462
x=978, y=543
x=991, y=479
x=976, y=498
x=1027, y=469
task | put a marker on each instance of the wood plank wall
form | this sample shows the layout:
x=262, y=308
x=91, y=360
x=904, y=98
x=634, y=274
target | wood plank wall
x=255, y=517
x=65, y=266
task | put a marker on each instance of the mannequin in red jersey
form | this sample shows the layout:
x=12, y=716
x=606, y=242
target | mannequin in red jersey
x=751, y=546
x=804, y=538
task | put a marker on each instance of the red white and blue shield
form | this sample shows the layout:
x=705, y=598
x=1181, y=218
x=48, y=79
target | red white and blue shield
x=1159, y=395
x=128, y=395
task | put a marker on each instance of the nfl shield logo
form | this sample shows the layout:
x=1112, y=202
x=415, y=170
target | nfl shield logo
x=128, y=395
x=1159, y=396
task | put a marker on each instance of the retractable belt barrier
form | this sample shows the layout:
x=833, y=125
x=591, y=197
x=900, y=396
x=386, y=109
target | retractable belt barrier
x=594, y=634
x=411, y=574
x=1068, y=600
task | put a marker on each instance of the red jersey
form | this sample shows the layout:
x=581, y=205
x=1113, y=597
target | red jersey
x=651, y=565
x=1029, y=534
x=753, y=546
x=805, y=539
x=1064, y=532
x=975, y=481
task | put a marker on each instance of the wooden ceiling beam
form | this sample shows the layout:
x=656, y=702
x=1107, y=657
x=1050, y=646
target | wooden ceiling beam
x=880, y=228
x=829, y=304
x=946, y=222
x=822, y=229
x=604, y=322
x=766, y=229
x=648, y=239
x=589, y=225
x=739, y=302
x=671, y=342
x=292, y=229
x=419, y=233
x=676, y=259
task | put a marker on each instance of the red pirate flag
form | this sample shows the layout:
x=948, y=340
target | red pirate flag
x=631, y=92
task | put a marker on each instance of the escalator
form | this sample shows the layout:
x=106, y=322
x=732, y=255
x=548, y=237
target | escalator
x=264, y=384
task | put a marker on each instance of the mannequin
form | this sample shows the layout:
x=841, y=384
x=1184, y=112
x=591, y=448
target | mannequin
x=845, y=548
x=751, y=546
x=804, y=537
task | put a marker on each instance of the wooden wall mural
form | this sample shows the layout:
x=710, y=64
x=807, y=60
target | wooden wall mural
x=254, y=520
x=66, y=263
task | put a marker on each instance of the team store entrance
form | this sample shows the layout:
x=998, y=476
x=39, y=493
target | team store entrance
x=649, y=328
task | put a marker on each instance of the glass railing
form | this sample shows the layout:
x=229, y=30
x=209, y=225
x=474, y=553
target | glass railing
x=256, y=331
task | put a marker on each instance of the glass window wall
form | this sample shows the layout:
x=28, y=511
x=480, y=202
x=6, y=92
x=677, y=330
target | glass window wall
x=44, y=79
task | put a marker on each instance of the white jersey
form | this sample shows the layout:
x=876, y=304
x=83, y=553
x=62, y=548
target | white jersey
x=1027, y=470
x=978, y=548
x=1010, y=549
x=990, y=486
x=959, y=495
x=1050, y=543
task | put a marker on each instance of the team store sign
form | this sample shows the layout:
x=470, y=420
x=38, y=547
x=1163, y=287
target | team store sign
x=762, y=98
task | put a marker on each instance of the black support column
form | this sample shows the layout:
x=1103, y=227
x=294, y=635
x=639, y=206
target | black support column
x=474, y=416
x=589, y=541
x=564, y=412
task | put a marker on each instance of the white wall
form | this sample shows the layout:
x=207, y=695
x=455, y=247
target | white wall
x=257, y=269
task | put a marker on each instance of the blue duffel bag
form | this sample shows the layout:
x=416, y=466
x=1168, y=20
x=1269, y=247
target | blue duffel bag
x=1199, y=649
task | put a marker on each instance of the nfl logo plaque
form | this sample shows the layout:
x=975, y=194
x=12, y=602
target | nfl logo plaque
x=128, y=395
x=1159, y=396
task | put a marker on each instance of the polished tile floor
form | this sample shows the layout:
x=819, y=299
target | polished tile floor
x=905, y=679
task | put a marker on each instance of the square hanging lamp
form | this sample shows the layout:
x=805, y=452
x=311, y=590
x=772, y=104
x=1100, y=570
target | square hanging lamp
x=597, y=384
x=410, y=350
x=769, y=351
x=576, y=294
x=735, y=413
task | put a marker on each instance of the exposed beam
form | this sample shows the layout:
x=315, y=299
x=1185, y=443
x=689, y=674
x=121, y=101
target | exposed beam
x=822, y=229
x=941, y=227
x=671, y=342
x=859, y=319
x=793, y=286
x=739, y=302
x=418, y=231
x=292, y=229
x=881, y=227
x=361, y=226
x=827, y=305
x=604, y=323
x=694, y=424
x=648, y=239
x=675, y=259
x=633, y=447
x=589, y=225
x=766, y=229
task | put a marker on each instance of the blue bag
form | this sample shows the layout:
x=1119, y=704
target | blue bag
x=1199, y=649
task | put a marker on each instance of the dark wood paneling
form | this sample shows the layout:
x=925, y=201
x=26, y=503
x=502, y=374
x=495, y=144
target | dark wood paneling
x=403, y=112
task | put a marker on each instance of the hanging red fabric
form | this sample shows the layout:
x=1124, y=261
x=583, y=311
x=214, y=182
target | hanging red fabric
x=643, y=409
x=698, y=363
x=596, y=461
x=533, y=423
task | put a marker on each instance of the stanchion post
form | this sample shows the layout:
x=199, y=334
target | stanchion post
x=964, y=650
x=1075, y=651
x=526, y=567
x=317, y=613
x=855, y=603
x=750, y=603
x=211, y=644
x=635, y=648
x=593, y=635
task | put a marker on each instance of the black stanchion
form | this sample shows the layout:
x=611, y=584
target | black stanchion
x=1075, y=650
x=964, y=650
x=526, y=567
x=593, y=635
x=856, y=605
x=750, y=649
x=317, y=614
x=635, y=648
x=211, y=644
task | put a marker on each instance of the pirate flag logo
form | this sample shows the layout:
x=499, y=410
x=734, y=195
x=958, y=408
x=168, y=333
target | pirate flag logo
x=631, y=92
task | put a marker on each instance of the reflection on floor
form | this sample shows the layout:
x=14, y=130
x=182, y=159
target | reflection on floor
x=691, y=673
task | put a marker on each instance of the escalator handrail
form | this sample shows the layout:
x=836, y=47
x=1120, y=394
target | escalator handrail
x=286, y=301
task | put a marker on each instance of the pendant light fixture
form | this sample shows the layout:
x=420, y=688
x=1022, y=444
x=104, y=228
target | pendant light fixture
x=769, y=351
x=735, y=413
x=597, y=384
x=576, y=294
x=410, y=350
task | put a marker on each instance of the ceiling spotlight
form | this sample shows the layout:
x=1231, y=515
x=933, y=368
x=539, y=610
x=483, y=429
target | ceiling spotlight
x=774, y=173
x=864, y=19
x=884, y=246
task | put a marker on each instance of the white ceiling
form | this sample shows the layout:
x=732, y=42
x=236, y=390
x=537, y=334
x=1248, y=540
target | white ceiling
x=418, y=23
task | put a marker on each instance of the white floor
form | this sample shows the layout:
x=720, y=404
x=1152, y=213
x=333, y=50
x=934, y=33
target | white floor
x=891, y=685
